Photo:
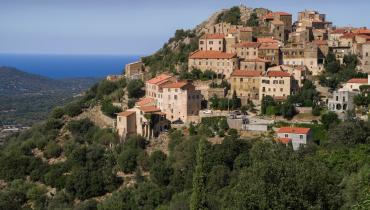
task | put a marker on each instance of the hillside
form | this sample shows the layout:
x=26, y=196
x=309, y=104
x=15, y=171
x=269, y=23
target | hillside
x=74, y=160
x=27, y=98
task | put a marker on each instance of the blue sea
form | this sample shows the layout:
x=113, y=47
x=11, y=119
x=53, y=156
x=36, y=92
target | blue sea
x=68, y=66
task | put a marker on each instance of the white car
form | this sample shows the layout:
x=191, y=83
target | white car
x=208, y=111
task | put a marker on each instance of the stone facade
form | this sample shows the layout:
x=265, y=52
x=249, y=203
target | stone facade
x=181, y=100
x=342, y=101
x=246, y=50
x=277, y=84
x=135, y=70
x=246, y=84
x=210, y=42
x=218, y=62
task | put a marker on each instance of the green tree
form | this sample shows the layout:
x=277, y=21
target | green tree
x=329, y=119
x=253, y=20
x=135, y=88
x=198, y=196
x=266, y=102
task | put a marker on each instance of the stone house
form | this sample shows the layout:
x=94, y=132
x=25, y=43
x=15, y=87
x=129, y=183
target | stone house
x=246, y=84
x=181, y=100
x=135, y=70
x=342, y=101
x=257, y=64
x=146, y=121
x=209, y=42
x=246, y=50
x=277, y=84
x=296, y=135
x=271, y=52
x=219, y=62
x=153, y=87
x=302, y=55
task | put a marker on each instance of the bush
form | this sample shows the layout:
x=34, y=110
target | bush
x=109, y=109
x=73, y=109
x=105, y=88
x=57, y=113
x=134, y=88
x=52, y=150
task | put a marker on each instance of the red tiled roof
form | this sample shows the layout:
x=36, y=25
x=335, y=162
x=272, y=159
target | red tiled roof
x=149, y=109
x=246, y=73
x=339, y=31
x=348, y=35
x=284, y=140
x=213, y=36
x=211, y=55
x=144, y=101
x=361, y=31
x=247, y=44
x=159, y=79
x=175, y=85
x=266, y=40
x=125, y=113
x=296, y=130
x=358, y=80
x=269, y=46
x=278, y=74
x=233, y=31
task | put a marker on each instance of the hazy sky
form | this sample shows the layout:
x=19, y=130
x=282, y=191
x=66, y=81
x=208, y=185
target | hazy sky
x=132, y=26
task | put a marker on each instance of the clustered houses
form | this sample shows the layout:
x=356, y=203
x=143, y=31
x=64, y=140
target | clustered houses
x=344, y=41
x=166, y=100
x=271, y=59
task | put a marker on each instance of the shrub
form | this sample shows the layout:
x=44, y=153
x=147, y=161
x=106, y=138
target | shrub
x=109, y=109
x=134, y=88
x=52, y=150
x=73, y=109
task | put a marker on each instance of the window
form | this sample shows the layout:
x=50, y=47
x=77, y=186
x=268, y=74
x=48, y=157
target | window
x=241, y=79
x=300, y=136
x=201, y=42
x=367, y=54
x=281, y=89
x=210, y=42
x=286, y=135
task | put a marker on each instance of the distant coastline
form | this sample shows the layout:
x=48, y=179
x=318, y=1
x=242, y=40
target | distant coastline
x=68, y=66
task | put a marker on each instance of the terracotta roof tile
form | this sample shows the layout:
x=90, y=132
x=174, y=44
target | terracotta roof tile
x=266, y=40
x=278, y=74
x=247, y=44
x=358, y=80
x=246, y=73
x=144, y=101
x=149, y=109
x=296, y=130
x=269, y=46
x=213, y=36
x=211, y=55
x=126, y=113
x=159, y=79
x=175, y=85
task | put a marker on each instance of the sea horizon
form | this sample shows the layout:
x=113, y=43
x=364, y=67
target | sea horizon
x=64, y=66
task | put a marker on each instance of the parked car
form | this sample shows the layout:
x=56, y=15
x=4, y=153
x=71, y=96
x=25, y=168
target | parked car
x=208, y=111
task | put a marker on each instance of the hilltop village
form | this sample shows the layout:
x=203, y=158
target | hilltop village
x=255, y=73
x=249, y=110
